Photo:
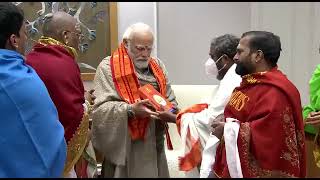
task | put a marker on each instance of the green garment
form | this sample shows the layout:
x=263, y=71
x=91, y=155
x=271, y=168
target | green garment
x=314, y=90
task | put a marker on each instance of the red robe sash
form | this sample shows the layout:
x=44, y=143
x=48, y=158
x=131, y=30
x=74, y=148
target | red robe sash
x=265, y=103
x=127, y=85
x=55, y=64
x=60, y=73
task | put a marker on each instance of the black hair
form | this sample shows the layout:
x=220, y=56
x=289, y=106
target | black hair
x=11, y=21
x=225, y=44
x=267, y=42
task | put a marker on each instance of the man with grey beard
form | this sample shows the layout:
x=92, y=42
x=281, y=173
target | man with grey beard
x=124, y=129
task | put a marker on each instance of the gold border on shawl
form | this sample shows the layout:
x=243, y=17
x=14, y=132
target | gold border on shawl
x=249, y=161
x=77, y=144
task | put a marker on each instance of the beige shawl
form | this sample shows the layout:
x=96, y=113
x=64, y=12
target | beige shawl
x=110, y=127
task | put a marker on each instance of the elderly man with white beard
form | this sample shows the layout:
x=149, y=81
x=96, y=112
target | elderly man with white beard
x=124, y=129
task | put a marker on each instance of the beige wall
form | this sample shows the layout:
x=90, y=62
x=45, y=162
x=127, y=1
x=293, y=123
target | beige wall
x=298, y=25
x=184, y=31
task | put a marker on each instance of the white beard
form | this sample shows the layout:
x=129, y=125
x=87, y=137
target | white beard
x=141, y=64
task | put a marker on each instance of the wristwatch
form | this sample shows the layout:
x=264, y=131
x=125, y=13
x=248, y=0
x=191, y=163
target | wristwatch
x=130, y=112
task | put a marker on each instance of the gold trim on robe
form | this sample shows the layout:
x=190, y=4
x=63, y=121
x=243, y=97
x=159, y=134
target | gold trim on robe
x=77, y=144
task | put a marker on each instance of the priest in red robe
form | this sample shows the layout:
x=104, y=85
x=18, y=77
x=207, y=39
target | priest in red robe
x=54, y=59
x=263, y=135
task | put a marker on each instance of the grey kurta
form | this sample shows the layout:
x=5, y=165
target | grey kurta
x=110, y=135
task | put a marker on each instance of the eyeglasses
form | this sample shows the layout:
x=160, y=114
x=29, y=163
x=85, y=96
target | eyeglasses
x=80, y=35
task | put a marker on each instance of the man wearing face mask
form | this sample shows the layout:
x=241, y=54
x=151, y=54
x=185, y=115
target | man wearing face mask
x=263, y=134
x=131, y=140
x=198, y=118
x=54, y=59
x=32, y=141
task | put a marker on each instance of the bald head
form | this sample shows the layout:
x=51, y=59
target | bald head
x=55, y=24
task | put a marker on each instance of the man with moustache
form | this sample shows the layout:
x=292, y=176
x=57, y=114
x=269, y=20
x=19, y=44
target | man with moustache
x=263, y=135
x=123, y=128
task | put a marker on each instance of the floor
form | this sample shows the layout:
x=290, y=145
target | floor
x=173, y=155
x=172, y=159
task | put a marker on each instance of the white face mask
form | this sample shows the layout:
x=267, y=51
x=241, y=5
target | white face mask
x=211, y=67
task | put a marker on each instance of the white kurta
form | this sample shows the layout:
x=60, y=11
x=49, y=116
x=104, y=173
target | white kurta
x=230, y=134
x=200, y=123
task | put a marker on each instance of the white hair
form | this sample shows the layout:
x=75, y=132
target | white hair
x=140, y=26
x=127, y=33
